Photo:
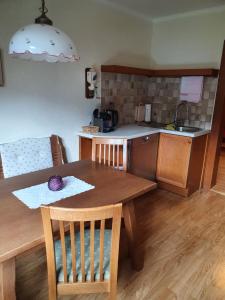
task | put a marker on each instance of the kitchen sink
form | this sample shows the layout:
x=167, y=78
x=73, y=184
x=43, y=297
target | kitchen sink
x=177, y=128
x=187, y=129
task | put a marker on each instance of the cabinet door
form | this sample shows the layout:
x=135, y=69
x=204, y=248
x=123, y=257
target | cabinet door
x=85, y=148
x=143, y=156
x=173, y=159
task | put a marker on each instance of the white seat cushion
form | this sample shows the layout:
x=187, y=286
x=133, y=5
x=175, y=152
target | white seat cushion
x=106, y=265
x=25, y=156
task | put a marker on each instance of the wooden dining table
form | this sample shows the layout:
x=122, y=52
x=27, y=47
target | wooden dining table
x=21, y=228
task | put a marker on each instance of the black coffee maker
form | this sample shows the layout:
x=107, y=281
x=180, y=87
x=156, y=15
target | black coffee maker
x=106, y=120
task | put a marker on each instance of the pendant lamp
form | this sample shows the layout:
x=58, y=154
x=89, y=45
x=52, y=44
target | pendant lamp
x=42, y=42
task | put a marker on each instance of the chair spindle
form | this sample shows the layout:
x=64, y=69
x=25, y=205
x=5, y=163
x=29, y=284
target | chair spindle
x=109, y=155
x=63, y=246
x=100, y=153
x=101, y=260
x=82, y=249
x=113, y=155
x=73, y=251
x=118, y=156
x=92, y=250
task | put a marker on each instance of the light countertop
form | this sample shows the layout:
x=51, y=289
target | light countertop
x=134, y=131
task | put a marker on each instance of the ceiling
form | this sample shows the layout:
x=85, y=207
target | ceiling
x=162, y=8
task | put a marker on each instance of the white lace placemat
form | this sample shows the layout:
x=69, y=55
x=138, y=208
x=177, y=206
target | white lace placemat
x=38, y=195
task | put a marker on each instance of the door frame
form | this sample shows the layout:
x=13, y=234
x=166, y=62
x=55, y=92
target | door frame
x=216, y=135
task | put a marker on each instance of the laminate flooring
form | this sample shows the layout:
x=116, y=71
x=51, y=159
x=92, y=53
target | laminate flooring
x=184, y=242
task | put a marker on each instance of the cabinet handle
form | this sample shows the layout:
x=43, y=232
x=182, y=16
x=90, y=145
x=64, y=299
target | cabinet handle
x=146, y=138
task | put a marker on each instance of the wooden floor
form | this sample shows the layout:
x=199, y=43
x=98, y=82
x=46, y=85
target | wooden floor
x=220, y=180
x=184, y=242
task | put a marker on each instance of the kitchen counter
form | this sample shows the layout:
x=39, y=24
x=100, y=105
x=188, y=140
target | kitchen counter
x=175, y=159
x=134, y=131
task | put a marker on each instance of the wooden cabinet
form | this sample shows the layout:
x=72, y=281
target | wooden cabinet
x=173, y=159
x=143, y=156
x=85, y=148
x=180, y=162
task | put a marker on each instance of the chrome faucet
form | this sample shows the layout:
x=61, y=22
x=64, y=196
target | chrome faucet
x=180, y=121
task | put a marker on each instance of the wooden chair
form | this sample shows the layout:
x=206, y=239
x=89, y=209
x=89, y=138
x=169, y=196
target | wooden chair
x=111, y=152
x=57, y=150
x=1, y=169
x=82, y=270
x=57, y=154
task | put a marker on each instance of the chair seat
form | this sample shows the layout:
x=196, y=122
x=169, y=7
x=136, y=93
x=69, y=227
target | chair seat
x=106, y=265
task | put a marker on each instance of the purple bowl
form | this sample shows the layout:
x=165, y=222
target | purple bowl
x=55, y=183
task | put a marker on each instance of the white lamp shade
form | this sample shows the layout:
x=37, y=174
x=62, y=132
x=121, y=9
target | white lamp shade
x=42, y=42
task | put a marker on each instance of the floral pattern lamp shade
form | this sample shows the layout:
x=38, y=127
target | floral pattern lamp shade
x=42, y=42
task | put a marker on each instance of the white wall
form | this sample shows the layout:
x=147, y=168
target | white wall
x=189, y=40
x=41, y=98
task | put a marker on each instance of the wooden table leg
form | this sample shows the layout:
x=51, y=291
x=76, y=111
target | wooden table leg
x=7, y=280
x=136, y=255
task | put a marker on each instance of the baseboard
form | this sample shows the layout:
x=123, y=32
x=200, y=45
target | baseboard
x=174, y=189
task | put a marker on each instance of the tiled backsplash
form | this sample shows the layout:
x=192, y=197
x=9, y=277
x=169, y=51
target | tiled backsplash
x=127, y=91
x=164, y=94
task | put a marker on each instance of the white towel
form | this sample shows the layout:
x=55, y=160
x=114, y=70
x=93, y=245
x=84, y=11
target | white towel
x=191, y=88
x=36, y=195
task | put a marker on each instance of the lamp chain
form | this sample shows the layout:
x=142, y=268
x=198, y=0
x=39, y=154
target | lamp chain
x=43, y=19
x=43, y=7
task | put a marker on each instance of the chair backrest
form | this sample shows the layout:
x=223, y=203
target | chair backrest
x=1, y=169
x=55, y=159
x=57, y=151
x=72, y=222
x=111, y=152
